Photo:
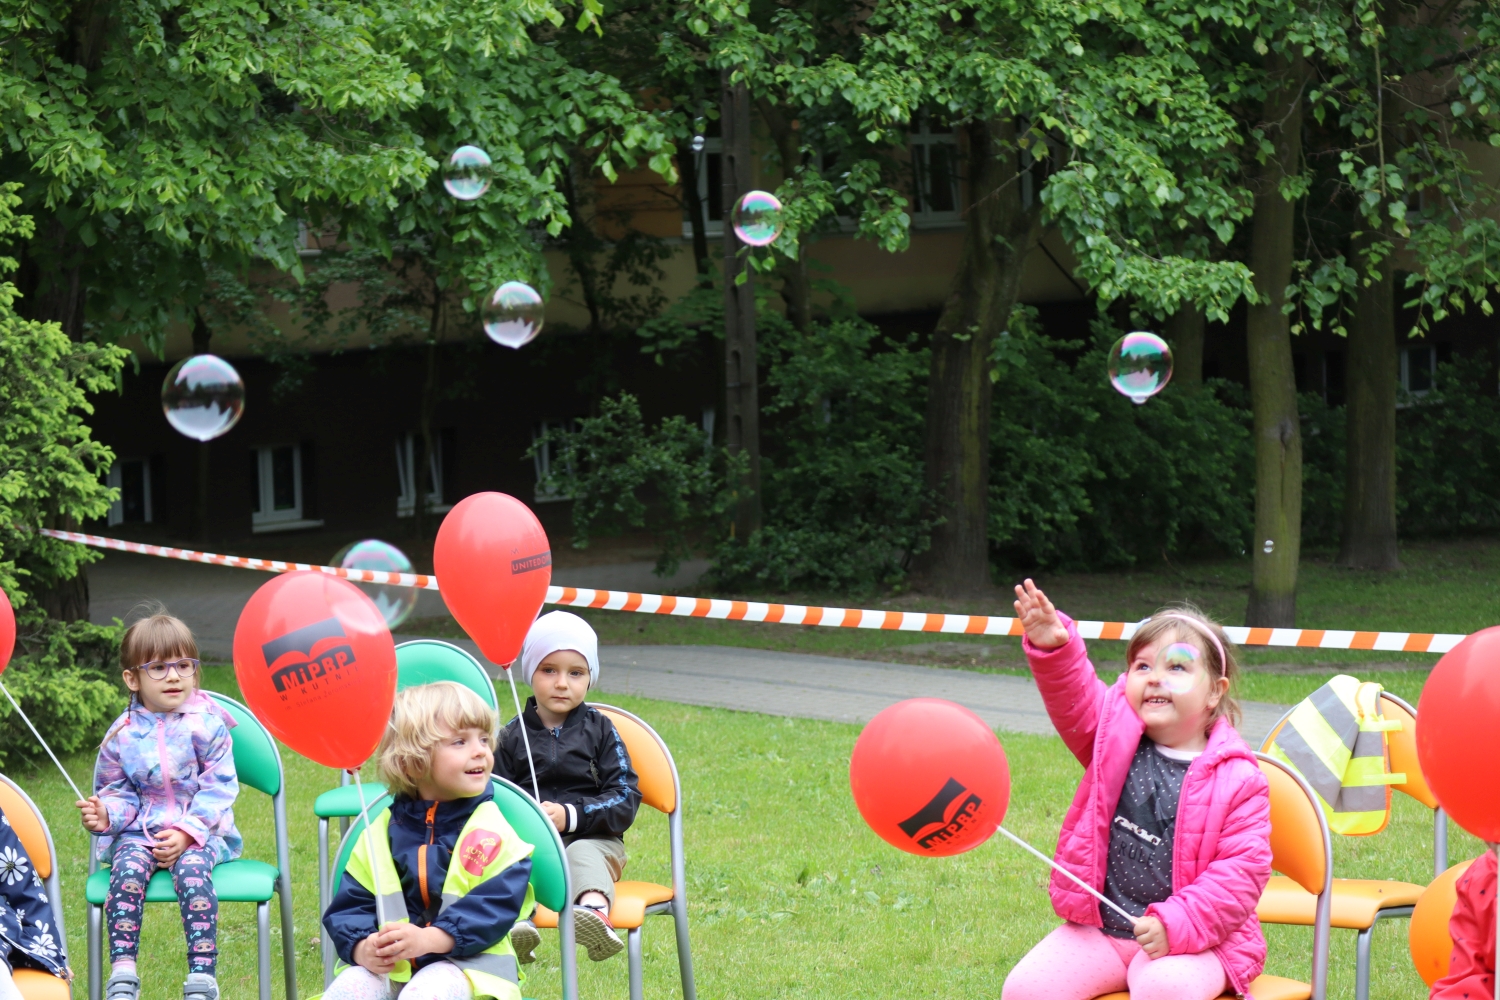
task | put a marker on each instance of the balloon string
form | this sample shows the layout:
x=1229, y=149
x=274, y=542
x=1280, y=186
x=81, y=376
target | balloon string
x=1081, y=883
x=364, y=812
x=524, y=738
x=66, y=777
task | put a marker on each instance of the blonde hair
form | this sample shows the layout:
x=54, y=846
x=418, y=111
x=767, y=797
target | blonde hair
x=422, y=717
x=1186, y=621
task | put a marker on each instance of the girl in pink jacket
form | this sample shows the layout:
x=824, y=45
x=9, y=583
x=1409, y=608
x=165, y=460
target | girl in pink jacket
x=1172, y=820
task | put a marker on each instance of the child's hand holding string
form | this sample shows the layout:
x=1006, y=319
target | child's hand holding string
x=95, y=816
x=1151, y=935
x=1038, y=617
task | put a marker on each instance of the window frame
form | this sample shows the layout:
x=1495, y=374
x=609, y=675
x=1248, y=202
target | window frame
x=406, y=457
x=1405, y=369
x=712, y=228
x=920, y=141
x=263, y=520
x=115, y=477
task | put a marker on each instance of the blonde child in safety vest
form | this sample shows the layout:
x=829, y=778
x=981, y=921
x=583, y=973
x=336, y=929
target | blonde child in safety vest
x=450, y=874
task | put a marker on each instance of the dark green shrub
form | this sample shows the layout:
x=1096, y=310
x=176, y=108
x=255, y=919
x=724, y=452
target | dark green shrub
x=1448, y=452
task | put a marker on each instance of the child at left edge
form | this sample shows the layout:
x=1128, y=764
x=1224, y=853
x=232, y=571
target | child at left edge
x=1471, y=968
x=451, y=871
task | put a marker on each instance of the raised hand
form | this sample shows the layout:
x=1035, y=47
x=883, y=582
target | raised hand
x=1038, y=617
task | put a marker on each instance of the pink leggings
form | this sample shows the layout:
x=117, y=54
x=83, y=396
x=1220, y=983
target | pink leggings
x=1076, y=962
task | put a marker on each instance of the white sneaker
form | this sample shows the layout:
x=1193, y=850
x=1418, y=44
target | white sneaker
x=524, y=938
x=594, y=931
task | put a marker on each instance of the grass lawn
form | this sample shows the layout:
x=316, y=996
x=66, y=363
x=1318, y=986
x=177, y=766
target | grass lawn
x=790, y=894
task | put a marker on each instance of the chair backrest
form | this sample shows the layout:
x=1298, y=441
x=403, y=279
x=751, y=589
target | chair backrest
x=257, y=763
x=1403, y=749
x=549, y=863
x=1301, y=848
x=31, y=828
x=1427, y=937
x=423, y=661
x=649, y=756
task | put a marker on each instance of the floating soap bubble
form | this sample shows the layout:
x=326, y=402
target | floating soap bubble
x=1268, y=547
x=698, y=143
x=512, y=315
x=467, y=173
x=395, y=603
x=1140, y=365
x=758, y=218
x=203, y=397
x=1179, y=655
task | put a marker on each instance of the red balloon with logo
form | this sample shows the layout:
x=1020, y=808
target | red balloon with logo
x=930, y=777
x=317, y=666
x=1458, y=733
x=494, y=565
x=7, y=630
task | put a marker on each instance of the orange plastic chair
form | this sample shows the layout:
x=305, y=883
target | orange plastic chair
x=1427, y=937
x=1302, y=850
x=26, y=820
x=656, y=773
x=1358, y=904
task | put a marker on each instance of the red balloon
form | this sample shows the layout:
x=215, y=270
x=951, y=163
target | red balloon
x=7, y=630
x=930, y=777
x=494, y=565
x=317, y=666
x=1458, y=733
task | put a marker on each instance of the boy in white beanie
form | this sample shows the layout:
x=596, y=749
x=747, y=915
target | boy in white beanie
x=583, y=772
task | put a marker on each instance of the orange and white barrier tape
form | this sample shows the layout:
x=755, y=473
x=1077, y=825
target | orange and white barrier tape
x=797, y=614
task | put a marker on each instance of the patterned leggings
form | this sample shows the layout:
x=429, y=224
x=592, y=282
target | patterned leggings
x=192, y=876
x=438, y=981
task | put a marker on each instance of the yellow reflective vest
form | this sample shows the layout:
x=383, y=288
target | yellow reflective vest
x=486, y=847
x=1335, y=738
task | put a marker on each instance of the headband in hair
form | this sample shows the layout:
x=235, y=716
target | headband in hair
x=1204, y=627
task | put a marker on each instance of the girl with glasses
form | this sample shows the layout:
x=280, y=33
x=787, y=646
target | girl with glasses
x=164, y=791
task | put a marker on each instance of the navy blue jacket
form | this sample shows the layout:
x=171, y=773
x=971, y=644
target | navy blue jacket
x=475, y=922
x=581, y=765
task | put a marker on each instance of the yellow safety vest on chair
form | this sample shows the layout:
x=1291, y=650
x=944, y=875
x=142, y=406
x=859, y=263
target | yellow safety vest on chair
x=1335, y=738
x=486, y=847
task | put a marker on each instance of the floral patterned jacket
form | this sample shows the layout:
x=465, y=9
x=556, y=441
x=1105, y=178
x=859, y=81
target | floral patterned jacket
x=172, y=770
x=27, y=938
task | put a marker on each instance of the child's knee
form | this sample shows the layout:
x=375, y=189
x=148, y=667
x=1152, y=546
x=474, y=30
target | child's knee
x=1176, y=977
x=357, y=983
x=439, y=981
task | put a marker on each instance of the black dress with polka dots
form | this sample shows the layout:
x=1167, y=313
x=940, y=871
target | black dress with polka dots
x=1139, y=872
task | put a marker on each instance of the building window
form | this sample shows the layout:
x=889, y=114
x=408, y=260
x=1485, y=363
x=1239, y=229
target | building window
x=1418, y=369
x=543, y=452
x=708, y=164
x=132, y=477
x=276, y=489
x=406, y=481
x=934, y=162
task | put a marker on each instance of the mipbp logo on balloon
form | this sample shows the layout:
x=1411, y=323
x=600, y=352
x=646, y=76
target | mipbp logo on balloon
x=941, y=820
x=309, y=659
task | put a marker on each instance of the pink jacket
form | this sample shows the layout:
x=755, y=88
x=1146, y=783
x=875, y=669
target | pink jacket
x=1222, y=848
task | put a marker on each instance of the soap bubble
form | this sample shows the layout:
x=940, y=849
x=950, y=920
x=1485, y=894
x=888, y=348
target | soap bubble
x=203, y=397
x=758, y=218
x=513, y=314
x=467, y=173
x=1179, y=654
x=1140, y=365
x=697, y=143
x=1269, y=546
x=395, y=603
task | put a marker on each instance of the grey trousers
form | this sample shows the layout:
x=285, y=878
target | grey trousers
x=595, y=865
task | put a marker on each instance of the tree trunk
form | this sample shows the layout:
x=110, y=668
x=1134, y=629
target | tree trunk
x=999, y=232
x=741, y=369
x=687, y=165
x=1185, y=335
x=1273, y=390
x=1369, y=529
x=796, y=286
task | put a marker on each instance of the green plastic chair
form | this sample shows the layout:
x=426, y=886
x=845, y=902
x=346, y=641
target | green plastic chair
x=420, y=661
x=550, y=880
x=258, y=765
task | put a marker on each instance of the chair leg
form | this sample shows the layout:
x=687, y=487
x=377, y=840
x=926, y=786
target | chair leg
x=684, y=949
x=637, y=972
x=288, y=936
x=568, y=944
x=96, y=952
x=263, y=948
x=1362, y=963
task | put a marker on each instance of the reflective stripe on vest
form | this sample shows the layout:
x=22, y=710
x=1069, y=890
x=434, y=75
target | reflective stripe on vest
x=1335, y=738
x=486, y=846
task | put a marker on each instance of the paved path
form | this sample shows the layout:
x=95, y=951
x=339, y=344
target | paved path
x=751, y=680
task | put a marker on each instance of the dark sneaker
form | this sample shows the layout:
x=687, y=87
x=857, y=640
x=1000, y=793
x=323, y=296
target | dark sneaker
x=524, y=938
x=200, y=986
x=593, y=930
x=123, y=986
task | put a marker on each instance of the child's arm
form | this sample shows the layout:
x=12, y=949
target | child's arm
x=1201, y=915
x=1072, y=692
x=113, y=789
x=350, y=918
x=486, y=913
x=1472, y=928
x=218, y=787
x=610, y=813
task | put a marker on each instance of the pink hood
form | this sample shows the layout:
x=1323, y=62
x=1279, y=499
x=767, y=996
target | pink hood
x=1222, y=846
